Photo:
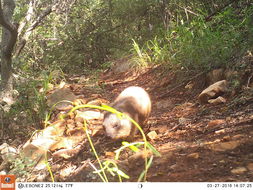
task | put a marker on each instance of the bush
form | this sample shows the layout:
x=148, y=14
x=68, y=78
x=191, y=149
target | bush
x=202, y=45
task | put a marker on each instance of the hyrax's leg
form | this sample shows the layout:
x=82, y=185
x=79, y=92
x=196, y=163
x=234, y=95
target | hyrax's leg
x=134, y=129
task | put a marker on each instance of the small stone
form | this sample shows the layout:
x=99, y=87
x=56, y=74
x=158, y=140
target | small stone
x=193, y=155
x=110, y=154
x=228, y=118
x=152, y=135
x=239, y=170
x=220, y=131
x=89, y=115
x=250, y=166
x=217, y=101
x=216, y=122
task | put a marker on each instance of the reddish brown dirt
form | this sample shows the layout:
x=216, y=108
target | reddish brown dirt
x=197, y=142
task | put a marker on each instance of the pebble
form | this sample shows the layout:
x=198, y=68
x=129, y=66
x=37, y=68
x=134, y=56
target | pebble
x=152, y=135
x=193, y=155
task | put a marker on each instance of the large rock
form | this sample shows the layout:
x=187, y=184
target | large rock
x=213, y=91
x=59, y=96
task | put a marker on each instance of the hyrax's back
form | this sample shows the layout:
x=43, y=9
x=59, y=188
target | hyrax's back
x=137, y=101
x=133, y=101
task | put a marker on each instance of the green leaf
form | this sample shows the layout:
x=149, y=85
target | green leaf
x=121, y=173
x=153, y=149
x=132, y=147
x=148, y=166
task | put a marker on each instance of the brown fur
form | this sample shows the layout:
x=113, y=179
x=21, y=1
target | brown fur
x=133, y=101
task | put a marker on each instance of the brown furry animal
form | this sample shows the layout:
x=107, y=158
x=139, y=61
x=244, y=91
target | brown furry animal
x=133, y=101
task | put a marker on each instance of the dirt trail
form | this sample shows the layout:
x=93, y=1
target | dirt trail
x=197, y=143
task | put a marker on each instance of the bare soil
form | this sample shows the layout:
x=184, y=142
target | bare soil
x=198, y=143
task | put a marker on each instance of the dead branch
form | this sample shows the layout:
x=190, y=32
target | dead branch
x=31, y=28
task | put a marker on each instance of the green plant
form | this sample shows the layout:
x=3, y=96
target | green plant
x=142, y=59
x=200, y=45
x=22, y=166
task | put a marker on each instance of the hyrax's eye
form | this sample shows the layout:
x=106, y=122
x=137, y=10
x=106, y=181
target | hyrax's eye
x=115, y=126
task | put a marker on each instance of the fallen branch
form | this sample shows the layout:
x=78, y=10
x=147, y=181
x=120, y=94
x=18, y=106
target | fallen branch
x=209, y=17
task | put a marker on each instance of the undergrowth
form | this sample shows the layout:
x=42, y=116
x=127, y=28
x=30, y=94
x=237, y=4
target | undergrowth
x=198, y=44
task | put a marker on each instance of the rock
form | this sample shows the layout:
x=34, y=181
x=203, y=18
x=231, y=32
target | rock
x=224, y=146
x=61, y=95
x=216, y=122
x=193, y=155
x=152, y=135
x=8, y=153
x=217, y=101
x=110, y=154
x=213, y=91
x=239, y=170
x=88, y=115
x=36, y=148
x=214, y=76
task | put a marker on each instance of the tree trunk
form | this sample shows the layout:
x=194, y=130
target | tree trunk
x=9, y=37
